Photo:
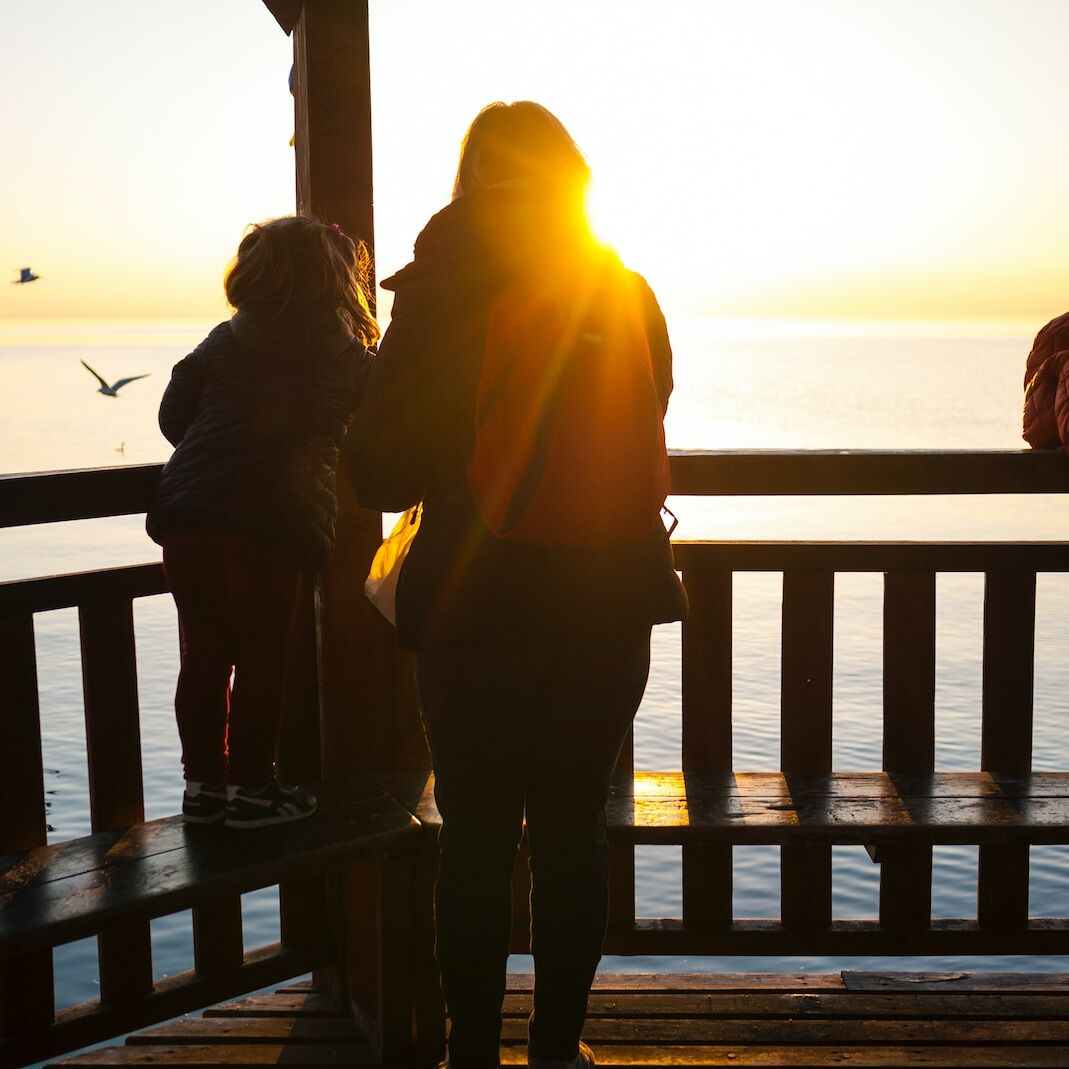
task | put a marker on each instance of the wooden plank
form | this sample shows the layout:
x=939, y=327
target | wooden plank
x=303, y=914
x=113, y=748
x=899, y=1005
x=838, y=807
x=908, y=734
x=48, y=497
x=767, y=936
x=27, y=1002
x=218, y=945
x=302, y=987
x=807, y=1031
x=288, y=1030
x=864, y=1057
x=124, y=953
x=909, y=672
x=838, y=472
x=769, y=556
x=608, y=983
x=396, y=959
x=805, y=688
x=286, y=12
x=211, y=1056
x=1035, y=983
x=707, y=673
x=90, y=1022
x=112, y=724
x=289, y=1005
x=21, y=766
x=53, y=496
x=78, y=588
x=429, y=1008
x=707, y=645
x=805, y=733
x=622, y=854
x=26, y=999
x=134, y=870
x=1009, y=644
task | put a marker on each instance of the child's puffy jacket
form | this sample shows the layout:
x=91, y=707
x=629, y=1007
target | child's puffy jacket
x=1046, y=387
x=257, y=414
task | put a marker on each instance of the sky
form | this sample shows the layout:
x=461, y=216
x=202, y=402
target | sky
x=761, y=158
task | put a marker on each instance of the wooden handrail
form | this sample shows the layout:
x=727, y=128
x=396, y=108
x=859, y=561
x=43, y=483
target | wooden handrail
x=81, y=588
x=53, y=496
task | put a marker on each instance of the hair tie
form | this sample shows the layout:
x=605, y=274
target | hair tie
x=334, y=228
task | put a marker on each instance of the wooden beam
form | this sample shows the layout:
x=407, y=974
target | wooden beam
x=286, y=12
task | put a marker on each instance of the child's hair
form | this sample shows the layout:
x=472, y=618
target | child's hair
x=297, y=262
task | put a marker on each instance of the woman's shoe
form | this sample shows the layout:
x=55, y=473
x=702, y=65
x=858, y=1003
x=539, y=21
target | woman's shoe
x=266, y=806
x=583, y=1060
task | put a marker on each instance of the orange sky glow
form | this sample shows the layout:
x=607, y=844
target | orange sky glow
x=766, y=158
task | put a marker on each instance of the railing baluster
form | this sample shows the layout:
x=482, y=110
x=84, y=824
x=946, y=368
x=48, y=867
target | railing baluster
x=908, y=734
x=1009, y=647
x=218, y=945
x=805, y=733
x=26, y=998
x=707, y=867
x=622, y=855
x=116, y=801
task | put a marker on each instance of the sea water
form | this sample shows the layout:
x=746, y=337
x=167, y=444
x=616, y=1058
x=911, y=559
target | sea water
x=738, y=385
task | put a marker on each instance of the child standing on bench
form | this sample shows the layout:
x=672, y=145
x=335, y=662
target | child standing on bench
x=245, y=508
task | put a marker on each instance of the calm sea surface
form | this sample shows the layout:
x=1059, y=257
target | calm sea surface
x=737, y=386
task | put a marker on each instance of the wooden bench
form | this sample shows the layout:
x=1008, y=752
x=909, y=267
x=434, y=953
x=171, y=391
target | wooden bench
x=56, y=894
x=897, y=817
x=111, y=884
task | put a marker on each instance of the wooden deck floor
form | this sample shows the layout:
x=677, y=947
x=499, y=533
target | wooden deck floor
x=850, y=1019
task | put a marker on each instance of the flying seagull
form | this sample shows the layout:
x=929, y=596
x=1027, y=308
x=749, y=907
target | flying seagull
x=112, y=391
x=25, y=275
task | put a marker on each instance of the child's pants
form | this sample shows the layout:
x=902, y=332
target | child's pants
x=236, y=602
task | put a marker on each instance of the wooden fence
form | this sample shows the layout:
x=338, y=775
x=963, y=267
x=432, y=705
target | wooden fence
x=223, y=966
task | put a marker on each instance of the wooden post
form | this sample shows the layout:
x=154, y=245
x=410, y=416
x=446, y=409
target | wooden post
x=116, y=797
x=368, y=717
x=908, y=734
x=805, y=733
x=1006, y=743
x=26, y=999
x=707, y=867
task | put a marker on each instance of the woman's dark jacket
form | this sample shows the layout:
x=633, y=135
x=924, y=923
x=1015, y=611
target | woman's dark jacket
x=257, y=413
x=414, y=431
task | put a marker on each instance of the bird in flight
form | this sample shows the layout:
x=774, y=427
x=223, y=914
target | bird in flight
x=113, y=390
x=25, y=275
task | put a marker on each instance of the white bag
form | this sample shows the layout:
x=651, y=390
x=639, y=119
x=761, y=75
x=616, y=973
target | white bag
x=381, y=583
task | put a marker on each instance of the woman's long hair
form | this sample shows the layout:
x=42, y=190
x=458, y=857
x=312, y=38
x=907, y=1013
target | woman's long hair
x=506, y=142
x=295, y=265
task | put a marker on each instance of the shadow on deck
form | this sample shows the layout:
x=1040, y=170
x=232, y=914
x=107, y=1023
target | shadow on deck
x=753, y=1019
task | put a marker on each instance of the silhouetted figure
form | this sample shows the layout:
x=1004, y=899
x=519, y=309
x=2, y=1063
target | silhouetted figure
x=245, y=507
x=531, y=623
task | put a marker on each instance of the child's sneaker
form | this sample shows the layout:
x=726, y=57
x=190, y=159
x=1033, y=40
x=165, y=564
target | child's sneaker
x=273, y=804
x=203, y=803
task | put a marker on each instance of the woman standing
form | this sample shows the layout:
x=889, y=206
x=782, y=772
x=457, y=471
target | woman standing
x=530, y=612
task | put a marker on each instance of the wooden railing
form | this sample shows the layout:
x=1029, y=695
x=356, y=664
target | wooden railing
x=806, y=924
x=129, y=994
x=223, y=964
